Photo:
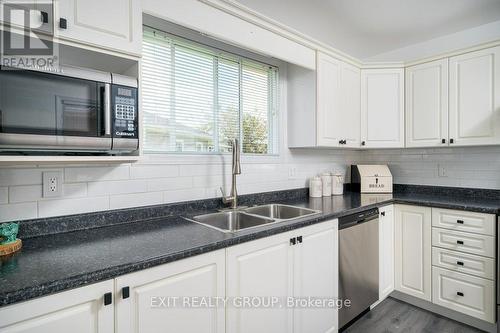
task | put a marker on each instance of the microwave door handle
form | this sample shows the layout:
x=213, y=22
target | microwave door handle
x=107, y=109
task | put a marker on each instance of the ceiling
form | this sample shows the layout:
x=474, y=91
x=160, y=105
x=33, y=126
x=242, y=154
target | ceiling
x=366, y=28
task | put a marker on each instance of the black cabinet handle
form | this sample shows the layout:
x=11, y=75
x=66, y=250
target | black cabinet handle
x=293, y=241
x=108, y=298
x=459, y=263
x=382, y=213
x=45, y=17
x=452, y=141
x=443, y=140
x=363, y=143
x=460, y=221
x=460, y=242
x=125, y=292
x=461, y=294
x=63, y=23
x=340, y=142
x=299, y=239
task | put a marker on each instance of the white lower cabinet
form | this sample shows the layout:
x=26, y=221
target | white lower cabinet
x=386, y=251
x=80, y=310
x=296, y=265
x=464, y=293
x=167, y=297
x=413, y=250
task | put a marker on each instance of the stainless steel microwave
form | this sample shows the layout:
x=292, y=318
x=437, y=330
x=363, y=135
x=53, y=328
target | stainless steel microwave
x=75, y=110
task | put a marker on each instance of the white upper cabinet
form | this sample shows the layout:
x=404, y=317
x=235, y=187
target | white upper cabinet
x=475, y=98
x=328, y=100
x=349, y=114
x=382, y=108
x=109, y=24
x=324, y=105
x=427, y=104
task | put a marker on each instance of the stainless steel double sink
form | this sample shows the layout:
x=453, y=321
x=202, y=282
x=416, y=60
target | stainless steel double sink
x=245, y=218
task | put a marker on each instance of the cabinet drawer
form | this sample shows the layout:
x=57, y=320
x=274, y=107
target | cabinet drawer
x=464, y=221
x=464, y=263
x=464, y=293
x=464, y=241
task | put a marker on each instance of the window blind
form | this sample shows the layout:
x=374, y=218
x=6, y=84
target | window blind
x=196, y=99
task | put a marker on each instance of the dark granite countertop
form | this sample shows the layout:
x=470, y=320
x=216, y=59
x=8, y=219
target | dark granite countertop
x=57, y=262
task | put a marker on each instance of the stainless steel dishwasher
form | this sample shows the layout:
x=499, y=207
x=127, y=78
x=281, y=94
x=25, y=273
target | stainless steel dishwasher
x=358, y=264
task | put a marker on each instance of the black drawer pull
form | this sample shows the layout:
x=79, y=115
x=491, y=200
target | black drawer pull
x=293, y=241
x=460, y=221
x=125, y=292
x=63, y=23
x=382, y=213
x=299, y=239
x=452, y=141
x=443, y=140
x=108, y=298
x=459, y=263
x=461, y=294
x=460, y=242
x=45, y=17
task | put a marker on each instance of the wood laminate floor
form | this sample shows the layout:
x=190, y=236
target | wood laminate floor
x=394, y=316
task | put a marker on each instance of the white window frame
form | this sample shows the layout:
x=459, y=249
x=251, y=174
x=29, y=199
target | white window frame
x=218, y=158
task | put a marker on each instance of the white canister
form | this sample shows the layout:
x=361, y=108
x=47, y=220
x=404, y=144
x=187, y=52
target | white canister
x=337, y=184
x=315, y=187
x=326, y=180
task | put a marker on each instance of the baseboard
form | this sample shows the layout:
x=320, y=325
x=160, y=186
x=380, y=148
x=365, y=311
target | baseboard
x=457, y=316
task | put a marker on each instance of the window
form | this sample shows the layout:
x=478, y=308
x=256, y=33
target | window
x=196, y=99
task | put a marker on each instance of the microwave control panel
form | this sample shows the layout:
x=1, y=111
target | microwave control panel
x=124, y=103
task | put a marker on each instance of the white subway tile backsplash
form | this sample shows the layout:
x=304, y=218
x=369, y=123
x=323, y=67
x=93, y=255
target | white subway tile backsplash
x=4, y=195
x=116, y=187
x=25, y=193
x=185, y=195
x=136, y=200
x=9, y=177
x=18, y=211
x=76, y=190
x=167, y=184
x=153, y=171
x=94, y=174
x=60, y=207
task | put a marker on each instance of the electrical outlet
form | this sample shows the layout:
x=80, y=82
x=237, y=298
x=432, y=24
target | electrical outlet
x=442, y=171
x=292, y=173
x=52, y=184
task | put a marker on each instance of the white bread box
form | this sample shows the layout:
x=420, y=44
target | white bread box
x=371, y=178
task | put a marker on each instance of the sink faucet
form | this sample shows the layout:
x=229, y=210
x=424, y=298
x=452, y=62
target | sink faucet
x=236, y=169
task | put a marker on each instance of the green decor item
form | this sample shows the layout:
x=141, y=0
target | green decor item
x=8, y=233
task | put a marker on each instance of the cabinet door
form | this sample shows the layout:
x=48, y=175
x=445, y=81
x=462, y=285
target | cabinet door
x=427, y=104
x=113, y=24
x=413, y=250
x=168, y=297
x=328, y=100
x=348, y=116
x=386, y=251
x=382, y=108
x=316, y=276
x=80, y=310
x=475, y=98
x=261, y=269
x=40, y=13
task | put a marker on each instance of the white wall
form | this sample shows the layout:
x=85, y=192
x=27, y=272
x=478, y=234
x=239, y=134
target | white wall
x=477, y=167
